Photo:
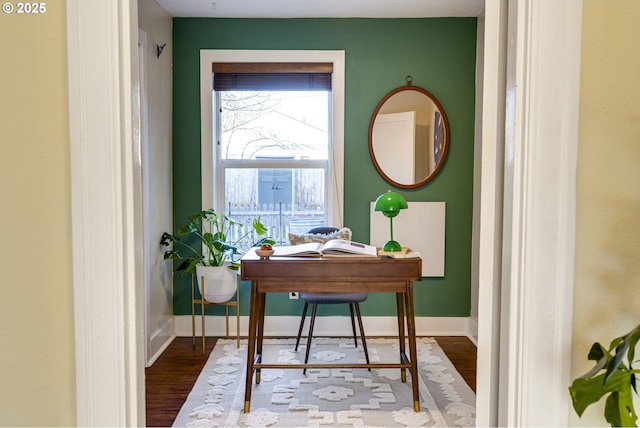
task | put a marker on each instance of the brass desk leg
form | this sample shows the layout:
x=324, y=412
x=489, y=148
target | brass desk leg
x=411, y=327
x=261, y=300
x=400, y=310
x=251, y=346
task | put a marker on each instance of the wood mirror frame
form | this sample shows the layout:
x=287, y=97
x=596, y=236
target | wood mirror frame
x=409, y=136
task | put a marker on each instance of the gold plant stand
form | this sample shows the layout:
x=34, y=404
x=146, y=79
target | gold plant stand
x=205, y=304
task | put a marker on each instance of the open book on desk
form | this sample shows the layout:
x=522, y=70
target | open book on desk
x=332, y=248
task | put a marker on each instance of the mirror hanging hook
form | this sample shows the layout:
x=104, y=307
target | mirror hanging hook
x=409, y=79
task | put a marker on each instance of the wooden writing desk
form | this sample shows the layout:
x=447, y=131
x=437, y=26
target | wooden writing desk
x=331, y=274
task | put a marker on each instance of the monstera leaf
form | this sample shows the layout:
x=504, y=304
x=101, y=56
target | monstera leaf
x=612, y=377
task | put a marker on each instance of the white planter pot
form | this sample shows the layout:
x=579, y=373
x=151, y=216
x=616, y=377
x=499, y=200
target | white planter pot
x=219, y=283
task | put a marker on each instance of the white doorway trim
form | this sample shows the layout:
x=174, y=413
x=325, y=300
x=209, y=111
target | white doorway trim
x=488, y=204
x=541, y=142
x=108, y=304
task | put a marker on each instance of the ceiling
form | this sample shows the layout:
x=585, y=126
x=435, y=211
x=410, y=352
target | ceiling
x=322, y=8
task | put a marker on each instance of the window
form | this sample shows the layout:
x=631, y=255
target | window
x=275, y=140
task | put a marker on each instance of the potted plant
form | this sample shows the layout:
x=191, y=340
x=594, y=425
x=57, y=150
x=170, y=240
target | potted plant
x=611, y=376
x=207, y=245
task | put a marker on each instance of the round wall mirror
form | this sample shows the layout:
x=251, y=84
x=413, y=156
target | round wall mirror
x=408, y=136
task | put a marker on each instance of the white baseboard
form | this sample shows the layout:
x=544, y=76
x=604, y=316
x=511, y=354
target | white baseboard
x=160, y=340
x=329, y=326
x=473, y=330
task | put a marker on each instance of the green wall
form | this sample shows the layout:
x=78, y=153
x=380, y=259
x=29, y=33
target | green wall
x=439, y=53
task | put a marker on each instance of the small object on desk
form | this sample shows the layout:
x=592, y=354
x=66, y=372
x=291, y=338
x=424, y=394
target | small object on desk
x=264, y=254
x=404, y=253
x=265, y=251
x=403, y=250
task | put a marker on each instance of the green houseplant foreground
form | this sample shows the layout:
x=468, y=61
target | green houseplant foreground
x=611, y=376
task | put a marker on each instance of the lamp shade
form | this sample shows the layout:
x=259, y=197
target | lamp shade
x=390, y=204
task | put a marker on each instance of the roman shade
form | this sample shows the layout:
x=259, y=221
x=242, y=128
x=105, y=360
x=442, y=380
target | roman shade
x=245, y=76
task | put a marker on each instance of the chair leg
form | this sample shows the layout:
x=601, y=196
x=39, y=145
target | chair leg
x=313, y=320
x=353, y=325
x=304, y=315
x=364, y=340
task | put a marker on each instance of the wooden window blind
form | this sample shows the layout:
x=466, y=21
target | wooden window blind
x=272, y=76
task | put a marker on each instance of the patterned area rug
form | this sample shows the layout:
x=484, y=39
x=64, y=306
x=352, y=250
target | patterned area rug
x=328, y=397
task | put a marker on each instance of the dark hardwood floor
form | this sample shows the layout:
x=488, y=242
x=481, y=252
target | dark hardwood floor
x=170, y=379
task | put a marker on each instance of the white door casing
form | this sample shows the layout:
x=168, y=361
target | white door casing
x=541, y=141
x=106, y=237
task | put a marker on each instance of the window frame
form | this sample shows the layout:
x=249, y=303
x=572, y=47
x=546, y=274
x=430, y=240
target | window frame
x=212, y=194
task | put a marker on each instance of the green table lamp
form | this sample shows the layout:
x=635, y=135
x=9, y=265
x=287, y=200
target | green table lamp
x=390, y=204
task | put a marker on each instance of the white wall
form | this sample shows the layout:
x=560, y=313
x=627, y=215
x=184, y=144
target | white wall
x=157, y=25
x=607, y=277
x=36, y=327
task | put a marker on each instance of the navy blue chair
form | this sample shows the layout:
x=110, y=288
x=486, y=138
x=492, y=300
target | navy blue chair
x=315, y=299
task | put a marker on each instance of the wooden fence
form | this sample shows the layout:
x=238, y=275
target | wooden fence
x=280, y=219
